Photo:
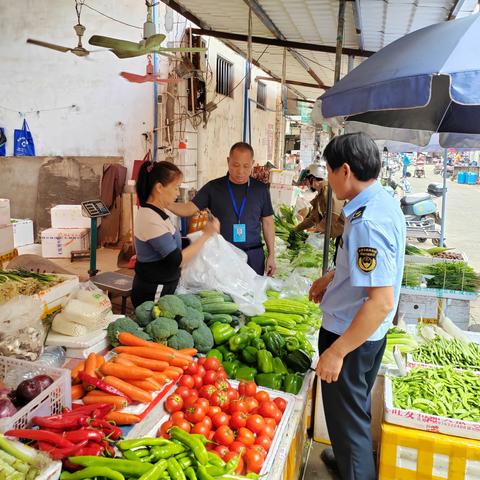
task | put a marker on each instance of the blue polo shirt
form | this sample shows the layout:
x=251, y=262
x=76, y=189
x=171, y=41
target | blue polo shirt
x=371, y=254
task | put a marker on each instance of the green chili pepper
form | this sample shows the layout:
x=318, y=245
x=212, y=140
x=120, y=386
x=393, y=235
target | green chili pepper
x=127, y=467
x=131, y=455
x=215, y=460
x=156, y=472
x=143, y=452
x=196, y=446
x=202, y=473
x=265, y=361
x=215, y=353
x=185, y=462
x=175, y=470
x=91, y=472
x=215, y=471
x=190, y=474
x=142, y=442
x=232, y=465
x=166, y=451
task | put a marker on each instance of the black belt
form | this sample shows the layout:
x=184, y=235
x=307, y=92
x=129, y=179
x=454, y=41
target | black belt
x=247, y=249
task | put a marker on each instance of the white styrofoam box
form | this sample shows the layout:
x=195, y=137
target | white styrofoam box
x=33, y=249
x=283, y=195
x=4, y=211
x=6, y=238
x=58, y=242
x=69, y=216
x=281, y=177
x=22, y=232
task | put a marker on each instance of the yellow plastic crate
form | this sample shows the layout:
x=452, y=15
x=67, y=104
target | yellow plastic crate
x=408, y=454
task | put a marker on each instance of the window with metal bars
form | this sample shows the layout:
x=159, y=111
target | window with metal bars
x=224, y=77
x=261, y=95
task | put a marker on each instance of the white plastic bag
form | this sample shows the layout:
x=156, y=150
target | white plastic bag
x=222, y=266
x=22, y=333
x=316, y=240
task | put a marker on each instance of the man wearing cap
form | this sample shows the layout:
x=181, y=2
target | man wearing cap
x=317, y=217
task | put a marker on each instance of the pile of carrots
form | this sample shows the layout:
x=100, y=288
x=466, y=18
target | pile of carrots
x=139, y=369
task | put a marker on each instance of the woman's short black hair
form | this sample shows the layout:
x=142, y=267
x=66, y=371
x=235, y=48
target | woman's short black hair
x=357, y=150
x=151, y=173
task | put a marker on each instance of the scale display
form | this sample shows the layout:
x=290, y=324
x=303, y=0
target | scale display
x=95, y=209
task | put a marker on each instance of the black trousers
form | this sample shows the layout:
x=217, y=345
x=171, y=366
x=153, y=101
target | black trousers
x=143, y=291
x=256, y=260
x=346, y=403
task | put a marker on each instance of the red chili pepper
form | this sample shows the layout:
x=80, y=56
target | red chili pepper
x=86, y=434
x=110, y=430
x=101, y=385
x=71, y=467
x=62, y=422
x=42, y=436
x=61, y=453
x=109, y=450
x=99, y=410
x=91, y=449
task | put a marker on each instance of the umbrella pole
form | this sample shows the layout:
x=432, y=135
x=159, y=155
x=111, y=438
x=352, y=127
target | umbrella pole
x=444, y=198
x=338, y=65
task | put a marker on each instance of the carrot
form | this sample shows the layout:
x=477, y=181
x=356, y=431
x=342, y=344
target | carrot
x=98, y=393
x=171, y=374
x=121, y=418
x=149, y=385
x=155, y=354
x=160, y=378
x=125, y=372
x=116, y=401
x=78, y=392
x=190, y=352
x=155, y=365
x=130, y=340
x=176, y=369
x=133, y=392
x=124, y=361
x=100, y=361
x=74, y=373
x=90, y=366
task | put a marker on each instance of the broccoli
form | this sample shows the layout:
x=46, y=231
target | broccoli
x=161, y=329
x=182, y=339
x=191, y=300
x=191, y=321
x=169, y=306
x=203, y=339
x=143, y=313
x=124, y=324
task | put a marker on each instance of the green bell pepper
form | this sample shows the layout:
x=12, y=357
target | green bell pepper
x=249, y=355
x=215, y=353
x=275, y=343
x=279, y=366
x=265, y=361
x=222, y=332
x=246, y=373
x=238, y=342
x=292, y=344
x=292, y=383
x=255, y=329
x=231, y=368
x=258, y=343
x=269, y=380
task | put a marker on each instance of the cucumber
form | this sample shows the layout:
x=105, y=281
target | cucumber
x=210, y=293
x=222, y=307
x=216, y=299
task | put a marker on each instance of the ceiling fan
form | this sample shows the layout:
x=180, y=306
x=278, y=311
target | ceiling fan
x=151, y=42
x=149, y=76
x=79, y=50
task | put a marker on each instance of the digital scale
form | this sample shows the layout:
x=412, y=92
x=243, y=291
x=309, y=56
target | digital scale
x=92, y=209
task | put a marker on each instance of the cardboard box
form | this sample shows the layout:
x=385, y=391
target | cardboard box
x=22, y=232
x=69, y=216
x=60, y=242
x=6, y=238
x=4, y=211
x=281, y=177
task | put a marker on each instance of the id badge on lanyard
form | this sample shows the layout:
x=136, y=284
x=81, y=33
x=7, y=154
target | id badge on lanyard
x=239, y=234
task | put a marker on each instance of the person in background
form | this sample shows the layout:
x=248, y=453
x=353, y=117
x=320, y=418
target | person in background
x=317, y=216
x=157, y=241
x=358, y=300
x=406, y=163
x=243, y=206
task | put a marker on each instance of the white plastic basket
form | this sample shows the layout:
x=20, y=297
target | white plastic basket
x=51, y=401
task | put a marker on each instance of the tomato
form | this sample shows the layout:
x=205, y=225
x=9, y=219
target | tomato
x=268, y=409
x=196, y=413
x=186, y=381
x=174, y=403
x=247, y=389
x=184, y=392
x=240, y=465
x=220, y=419
x=201, y=428
x=277, y=416
x=198, y=381
x=264, y=441
x=163, y=431
x=246, y=436
x=210, y=436
x=271, y=422
x=204, y=402
x=255, y=423
x=221, y=374
x=268, y=431
x=238, y=406
x=183, y=425
x=232, y=394
x=222, y=385
x=192, y=369
x=212, y=363
x=177, y=415
x=224, y=435
x=210, y=446
x=201, y=361
x=281, y=403
x=191, y=400
x=238, y=447
x=201, y=371
x=208, y=421
x=210, y=377
x=207, y=391
x=213, y=410
x=219, y=399
x=262, y=396
x=222, y=450
x=238, y=420
x=252, y=404
x=260, y=450
x=254, y=460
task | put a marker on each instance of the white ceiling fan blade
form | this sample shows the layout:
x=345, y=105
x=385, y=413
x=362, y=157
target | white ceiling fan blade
x=52, y=46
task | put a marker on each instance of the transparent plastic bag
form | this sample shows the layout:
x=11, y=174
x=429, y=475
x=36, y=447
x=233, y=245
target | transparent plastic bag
x=222, y=266
x=22, y=333
x=316, y=240
x=89, y=293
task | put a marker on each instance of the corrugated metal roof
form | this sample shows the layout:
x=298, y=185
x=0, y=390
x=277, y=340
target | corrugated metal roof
x=315, y=22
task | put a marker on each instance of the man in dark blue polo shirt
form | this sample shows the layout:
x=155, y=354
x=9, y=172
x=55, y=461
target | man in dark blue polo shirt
x=243, y=207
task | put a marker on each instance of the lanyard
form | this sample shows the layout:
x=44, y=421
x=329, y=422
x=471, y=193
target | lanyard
x=238, y=212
